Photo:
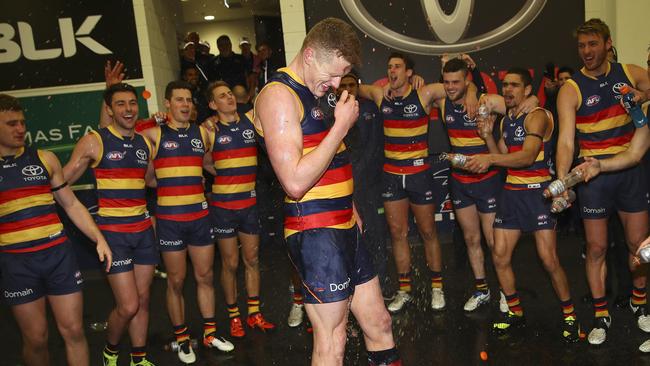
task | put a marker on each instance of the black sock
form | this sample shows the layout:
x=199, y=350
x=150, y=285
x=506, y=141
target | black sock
x=383, y=358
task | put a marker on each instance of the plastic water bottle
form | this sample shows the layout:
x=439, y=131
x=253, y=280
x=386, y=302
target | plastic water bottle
x=456, y=160
x=645, y=255
x=558, y=186
x=633, y=109
x=174, y=346
x=560, y=203
x=483, y=112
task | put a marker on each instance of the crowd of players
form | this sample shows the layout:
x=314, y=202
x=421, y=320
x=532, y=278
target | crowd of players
x=331, y=226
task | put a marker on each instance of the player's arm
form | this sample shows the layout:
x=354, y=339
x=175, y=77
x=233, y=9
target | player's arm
x=75, y=210
x=87, y=151
x=208, y=161
x=535, y=125
x=641, y=83
x=496, y=104
x=371, y=92
x=279, y=113
x=567, y=104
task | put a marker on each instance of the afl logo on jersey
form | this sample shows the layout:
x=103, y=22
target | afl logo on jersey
x=592, y=100
x=115, y=155
x=170, y=145
x=411, y=108
x=386, y=110
x=248, y=134
x=225, y=139
x=32, y=170
x=317, y=114
x=197, y=144
x=141, y=154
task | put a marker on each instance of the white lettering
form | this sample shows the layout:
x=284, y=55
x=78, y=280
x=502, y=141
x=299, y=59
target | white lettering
x=9, y=50
x=29, y=49
x=340, y=286
x=23, y=293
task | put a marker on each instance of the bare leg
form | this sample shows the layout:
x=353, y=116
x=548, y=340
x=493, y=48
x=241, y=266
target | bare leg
x=505, y=241
x=33, y=327
x=596, y=269
x=329, y=321
x=470, y=225
x=250, y=245
x=425, y=220
x=68, y=313
x=203, y=263
x=229, y=263
x=140, y=322
x=397, y=218
x=545, y=240
x=176, y=266
x=369, y=309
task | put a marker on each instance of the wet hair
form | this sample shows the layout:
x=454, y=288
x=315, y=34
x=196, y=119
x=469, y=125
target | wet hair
x=332, y=36
x=410, y=65
x=118, y=88
x=565, y=69
x=176, y=84
x=455, y=65
x=353, y=75
x=523, y=73
x=9, y=103
x=595, y=26
x=212, y=86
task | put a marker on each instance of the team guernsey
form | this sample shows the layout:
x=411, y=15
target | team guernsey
x=119, y=174
x=319, y=227
x=179, y=172
x=603, y=127
x=406, y=126
x=36, y=258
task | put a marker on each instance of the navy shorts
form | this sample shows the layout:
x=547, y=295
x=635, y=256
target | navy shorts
x=27, y=277
x=227, y=223
x=625, y=191
x=331, y=262
x=526, y=210
x=131, y=248
x=483, y=194
x=418, y=188
x=177, y=235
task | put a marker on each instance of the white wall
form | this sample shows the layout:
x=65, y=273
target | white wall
x=235, y=29
x=293, y=26
x=628, y=22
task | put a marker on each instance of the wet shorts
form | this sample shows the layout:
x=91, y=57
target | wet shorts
x=625, y=191
x=483, y=194
x=418, y=188
x=526, y=210
x=27, y=277
x=331, y=262
x=227, y=223
x=177, y=235
x=131, y=248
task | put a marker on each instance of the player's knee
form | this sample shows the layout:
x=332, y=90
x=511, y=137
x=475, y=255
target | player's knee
x=500, y=258
x=175, y=283
x=230, y=264
x=204, y=276
x=551, y=262
x=128, y=309
x=428, y=234
x=472, y=240
x=251, y=261
x=36, y=340
x=596, y=251
x=72, y=331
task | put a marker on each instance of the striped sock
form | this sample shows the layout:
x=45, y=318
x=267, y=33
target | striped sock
x=514, y=305
x=233, y=310
x=253, y=305
x=405, y=282
x=638, y=296
x=436, y=279
x=481, y=285
x=568, y=309
x=209, y=326
x=111, y=349
x=138, y=354
x=298, y=299
x=181, y=332
x=600, y=307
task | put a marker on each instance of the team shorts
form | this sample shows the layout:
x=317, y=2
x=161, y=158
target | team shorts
x=418, y=187
x=131, y=248
x=227, y=223
x=331, y=263
x=177, y=235
x=483, y=194
x=27, y=277
x=526, y=210
x=625, y=191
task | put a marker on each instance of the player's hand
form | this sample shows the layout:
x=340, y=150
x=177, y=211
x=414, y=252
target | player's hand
x=471, y=105
x=417, y=81
x=527, y=105
x=444, y=59
x=160, y=116
x=113, y=74
x=590, y=168
x=485, y=126
x=104, y=253
x=644, y=244
x=479, y=163
x=357, y=217
x=468, y=61
x=210, y=124
x=346, y=111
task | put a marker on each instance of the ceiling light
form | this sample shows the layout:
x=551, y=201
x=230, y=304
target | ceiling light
x=209, y=17
x=225, y=3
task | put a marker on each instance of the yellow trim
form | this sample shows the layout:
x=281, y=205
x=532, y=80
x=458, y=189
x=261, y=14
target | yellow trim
x=583, y=70
x=629, y=74
x=100, y=156
x=188, y=199
x=236, y=162
x=146, y=141
x=112, y=130
x=26, y=235
x=22, y=203
x=443, y=103
x=129, y=183
x=203, y=132
x=179, y=171
x=527, y=180
x=41, y=157
x=406, y=132
x=293, y=75
x=122, y=211
x=577, y=89
x=158, y=136
x=233, y=188
x=335, y=190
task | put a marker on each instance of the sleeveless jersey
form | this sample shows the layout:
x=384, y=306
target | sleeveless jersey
x=406, y=126
x=464, y=139
x=179, y=172
x=328, y=204
x=603, y=127
x=531, y=177
x=119, y=174
x=234, y=152
x=28, y=218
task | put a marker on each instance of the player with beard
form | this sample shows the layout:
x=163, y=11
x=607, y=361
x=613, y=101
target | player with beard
x=589, y=109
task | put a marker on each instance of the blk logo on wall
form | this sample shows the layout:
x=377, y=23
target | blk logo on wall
x=58, y=42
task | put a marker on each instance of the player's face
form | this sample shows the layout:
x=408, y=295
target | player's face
x=455, y=85
x=180, y=105
x=223, y=100
x=191, y=75
x=124, y=109
x=592, y=49
x=398, y=75
x=12, y=129
x=350, y=84
x=562, y=78
x=513, y=89
x=326, y=75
